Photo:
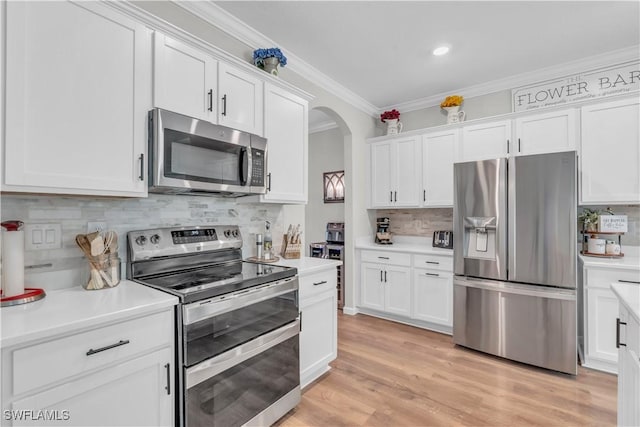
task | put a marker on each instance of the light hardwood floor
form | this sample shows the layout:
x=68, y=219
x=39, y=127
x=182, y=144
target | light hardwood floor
x=388, y=374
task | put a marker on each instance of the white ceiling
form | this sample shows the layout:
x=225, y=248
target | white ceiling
x=381, y=50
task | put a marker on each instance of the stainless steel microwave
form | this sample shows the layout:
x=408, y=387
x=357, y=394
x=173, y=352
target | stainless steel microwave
x=188, y=155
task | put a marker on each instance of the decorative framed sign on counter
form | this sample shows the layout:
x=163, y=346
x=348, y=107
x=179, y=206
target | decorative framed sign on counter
x=333, y=187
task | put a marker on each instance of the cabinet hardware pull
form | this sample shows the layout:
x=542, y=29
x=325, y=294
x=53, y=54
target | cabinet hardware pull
x=141, y=158
x=109, y=347
x=432, y=262
x=519, y=145
x=385, y=277
x=168, y=387
x=300, y=317
x=210, y=100
x=424, y=195
x=391, y=196
x=381, y=275
x=618, y=323
x=395, y=196
x=224, y=105
x=432, y=274
x=383, y=257
x=507, y=146
x=320, y=283
x=628, y=281
x=269, y=181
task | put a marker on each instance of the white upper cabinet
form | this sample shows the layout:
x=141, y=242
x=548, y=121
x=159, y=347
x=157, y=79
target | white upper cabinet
x=485, y=141
x=286, y=128
x=185, y=79
x=610, y=153
x=545, y=133
x=240, y=99
x=438, y=156
x=395, y=172
x=78, y=88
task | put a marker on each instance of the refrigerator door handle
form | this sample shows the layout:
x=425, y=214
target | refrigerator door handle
x=517, y=289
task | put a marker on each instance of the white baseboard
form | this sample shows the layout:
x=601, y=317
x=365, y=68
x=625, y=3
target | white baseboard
x=351, y=311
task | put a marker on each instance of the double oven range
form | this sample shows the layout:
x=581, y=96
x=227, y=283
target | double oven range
x=237, y=324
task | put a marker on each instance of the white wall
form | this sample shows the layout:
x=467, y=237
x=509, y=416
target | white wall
x=326, y=154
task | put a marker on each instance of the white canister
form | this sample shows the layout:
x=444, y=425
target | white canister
x=610, y=247
x=12, y=259
x=596, y=246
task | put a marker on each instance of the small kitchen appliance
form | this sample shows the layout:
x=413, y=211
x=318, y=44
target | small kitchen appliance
x=333, y=248
x=443, y=239
x=515, y=232
x=237, y=324
x=191, y=156
x=383, y=236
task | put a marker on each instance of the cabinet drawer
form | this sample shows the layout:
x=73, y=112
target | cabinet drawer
x=384, y=257
x=45, y=363
x=433, y=262
x=316, y=283
x=603, y=277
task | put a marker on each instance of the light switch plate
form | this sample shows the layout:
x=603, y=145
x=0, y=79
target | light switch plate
x=42, y=236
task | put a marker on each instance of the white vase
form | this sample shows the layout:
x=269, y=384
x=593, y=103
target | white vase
x=454, y=115
x=394, y=126
x=271, y=65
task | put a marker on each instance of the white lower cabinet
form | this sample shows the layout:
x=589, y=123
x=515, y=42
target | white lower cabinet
x=600, y=309
x=433, y=296
x=629, y=370
x=119, y=374
x=319, y=334
x=412, y=288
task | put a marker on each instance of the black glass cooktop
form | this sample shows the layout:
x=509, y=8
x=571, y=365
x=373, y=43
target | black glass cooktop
x=207, y=282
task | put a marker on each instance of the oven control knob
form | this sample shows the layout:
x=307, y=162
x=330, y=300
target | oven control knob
x=154, y=239
x=234, y=233
x=227, y=233
x=141, y=240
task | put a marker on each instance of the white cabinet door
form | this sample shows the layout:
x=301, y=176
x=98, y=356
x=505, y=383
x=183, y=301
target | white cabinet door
x=185, y=79
x=602, y=311
x=438, y=156
x=610, y=153
x=381, y=192
x=287, y=131
x=78, y=90
x=318, y=338
x=545, y=133
x=240, y=100
x=629, y=389
x=135, y=392
x=406, y=177
x=433, y=296
x=372, y=286
x=397, y=290
x=485, y=141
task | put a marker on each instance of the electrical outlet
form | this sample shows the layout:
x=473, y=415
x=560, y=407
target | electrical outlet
x=96, y=226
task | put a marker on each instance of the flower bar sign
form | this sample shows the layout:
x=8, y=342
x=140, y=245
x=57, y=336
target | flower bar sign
x=606, y=81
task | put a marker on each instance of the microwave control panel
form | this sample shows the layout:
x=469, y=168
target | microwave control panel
x=257, y=170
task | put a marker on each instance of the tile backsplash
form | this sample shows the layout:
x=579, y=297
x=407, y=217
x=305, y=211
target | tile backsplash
x=418, y=222
x=123, y=215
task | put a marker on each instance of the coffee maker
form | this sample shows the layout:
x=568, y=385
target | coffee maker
x=383, y=236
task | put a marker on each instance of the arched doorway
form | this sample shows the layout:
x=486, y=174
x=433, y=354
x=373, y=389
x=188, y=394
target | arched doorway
x=329, y=143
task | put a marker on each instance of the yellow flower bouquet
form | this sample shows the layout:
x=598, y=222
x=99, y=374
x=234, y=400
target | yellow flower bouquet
x=452, y=101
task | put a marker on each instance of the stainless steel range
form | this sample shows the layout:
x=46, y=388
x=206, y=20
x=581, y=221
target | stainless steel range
x=238, y=324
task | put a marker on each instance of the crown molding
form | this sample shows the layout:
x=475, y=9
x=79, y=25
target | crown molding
x=528, y=78
x=321, y=127
x=223, y=20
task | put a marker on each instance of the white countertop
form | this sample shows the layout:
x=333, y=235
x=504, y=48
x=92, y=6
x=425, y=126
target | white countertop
x=411, y=244
x=630, y=261
x=71, y=309
x=309, y=265
x=629, y=296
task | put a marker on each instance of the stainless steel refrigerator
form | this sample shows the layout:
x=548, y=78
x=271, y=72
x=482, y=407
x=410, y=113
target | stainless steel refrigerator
x=515, y=258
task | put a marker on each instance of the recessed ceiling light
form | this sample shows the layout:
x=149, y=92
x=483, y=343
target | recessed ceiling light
x=441, y=50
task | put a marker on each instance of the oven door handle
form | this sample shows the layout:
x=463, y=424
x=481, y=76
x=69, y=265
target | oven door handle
x=218, y=364
x=198, y=311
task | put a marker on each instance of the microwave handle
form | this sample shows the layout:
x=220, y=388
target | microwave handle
x=244, y=166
